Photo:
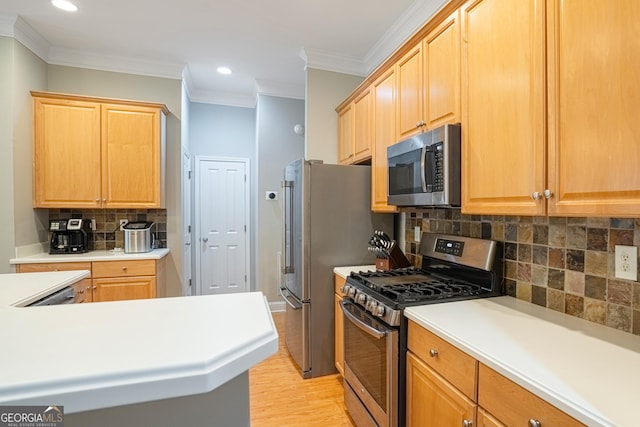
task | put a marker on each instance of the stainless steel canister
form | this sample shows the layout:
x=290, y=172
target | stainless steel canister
x=138, y=237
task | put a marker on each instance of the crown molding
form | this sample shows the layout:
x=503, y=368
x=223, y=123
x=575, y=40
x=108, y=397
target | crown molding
x=6, y=25
x=230, y=99
x=16, y=27
x=279, y=89
x=119, y=64
x=419, y=13
x=323, y=60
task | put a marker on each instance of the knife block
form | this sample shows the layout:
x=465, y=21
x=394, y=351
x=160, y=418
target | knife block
x=396, y=259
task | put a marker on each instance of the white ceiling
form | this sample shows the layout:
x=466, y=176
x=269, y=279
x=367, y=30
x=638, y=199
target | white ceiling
x=267, y=43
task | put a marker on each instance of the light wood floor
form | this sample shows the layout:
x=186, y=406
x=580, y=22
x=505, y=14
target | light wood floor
x=281, y=398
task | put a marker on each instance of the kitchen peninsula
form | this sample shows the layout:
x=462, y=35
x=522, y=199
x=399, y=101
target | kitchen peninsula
x=163, y=361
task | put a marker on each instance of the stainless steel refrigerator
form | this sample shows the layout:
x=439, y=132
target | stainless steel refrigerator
x=327, y=223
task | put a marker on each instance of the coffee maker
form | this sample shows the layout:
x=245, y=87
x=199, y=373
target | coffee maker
x=69, y=236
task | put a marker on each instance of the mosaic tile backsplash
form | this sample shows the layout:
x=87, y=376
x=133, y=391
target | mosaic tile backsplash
x=107, y=235
x=566, y=264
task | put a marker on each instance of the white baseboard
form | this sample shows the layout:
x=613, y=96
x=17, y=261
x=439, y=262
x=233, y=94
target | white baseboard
x=276, y=306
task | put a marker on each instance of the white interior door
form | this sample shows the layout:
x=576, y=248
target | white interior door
x=186, y=226
x=222, y=198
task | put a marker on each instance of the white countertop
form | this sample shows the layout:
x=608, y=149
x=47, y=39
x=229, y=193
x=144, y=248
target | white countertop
x=19, y=290
x=346, y=271
x=90, y=256
x=587, y=370
x=99, y=355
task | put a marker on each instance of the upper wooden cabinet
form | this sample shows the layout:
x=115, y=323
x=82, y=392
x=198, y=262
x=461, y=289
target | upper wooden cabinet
x=594, y=98
x=503, y=106
x=568, y=147
x=441, y=51
x=384, y=134
x=410, y=93
x=97, y=153
x=428, y=79
x=354, y=130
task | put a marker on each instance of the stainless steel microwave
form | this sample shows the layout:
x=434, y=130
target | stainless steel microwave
x=424, y=170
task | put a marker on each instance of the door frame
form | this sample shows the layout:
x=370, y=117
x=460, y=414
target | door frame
x=198, y=232
x=187, y=225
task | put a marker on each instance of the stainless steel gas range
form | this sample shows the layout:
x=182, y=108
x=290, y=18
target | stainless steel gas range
x=375, y=330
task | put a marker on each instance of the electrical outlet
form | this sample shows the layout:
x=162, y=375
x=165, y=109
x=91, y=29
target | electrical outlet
x=626, y=260
x=123, y=222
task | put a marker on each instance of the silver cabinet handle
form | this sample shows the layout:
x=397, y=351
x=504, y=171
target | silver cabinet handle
x=547, y=194
x=467, y=423
x=534, y=423
x=433, y=352
x=535, y=195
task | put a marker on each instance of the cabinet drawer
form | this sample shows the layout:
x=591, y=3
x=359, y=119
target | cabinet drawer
x=456, y=366
x=124, y=268
x=515, y=406
x=53, y=266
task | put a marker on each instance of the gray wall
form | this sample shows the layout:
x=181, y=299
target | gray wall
x=20, y=72
x=222, y=131
x=277, y=145
x=324, y=91
x=83, y=81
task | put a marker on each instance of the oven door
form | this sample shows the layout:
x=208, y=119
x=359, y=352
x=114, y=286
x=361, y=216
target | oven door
x=371, y=368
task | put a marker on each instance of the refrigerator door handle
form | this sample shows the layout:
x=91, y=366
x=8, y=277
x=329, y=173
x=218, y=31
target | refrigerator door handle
x=287, y=219
x=286, y=298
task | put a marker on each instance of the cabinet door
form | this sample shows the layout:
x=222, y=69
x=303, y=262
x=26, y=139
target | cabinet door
x=432, y=401
x=503, y=106
x=442, y=73
x=594, y=99
x=410, y=93
x=131, y=156
x=66, y=164
x=124, y=288
x=81, y=290
x=485, y=419
x=345, y=135
x=362, y=131
x=384, y=135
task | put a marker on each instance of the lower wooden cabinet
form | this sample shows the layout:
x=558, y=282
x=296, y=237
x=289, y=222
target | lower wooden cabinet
x=124, y=288
x=110, y=280
x=81, y=291
x=339, y=323
x=485, y=419
x=432, y=400
x=447, y=387
x=513, y=405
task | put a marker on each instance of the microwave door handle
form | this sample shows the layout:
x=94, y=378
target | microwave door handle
x=366, y=328
x=423, y=171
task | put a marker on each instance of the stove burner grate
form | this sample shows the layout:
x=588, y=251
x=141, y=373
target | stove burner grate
x=428, y=291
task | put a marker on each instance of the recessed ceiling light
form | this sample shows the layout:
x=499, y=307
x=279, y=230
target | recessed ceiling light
x=223, y=70
x=64, y=5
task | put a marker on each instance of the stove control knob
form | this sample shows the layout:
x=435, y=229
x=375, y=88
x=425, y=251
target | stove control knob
x=361, y=298
x=379, y=311
x=371, y=305
x=350, y=291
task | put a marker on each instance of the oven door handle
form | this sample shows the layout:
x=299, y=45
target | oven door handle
x=366, y=328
